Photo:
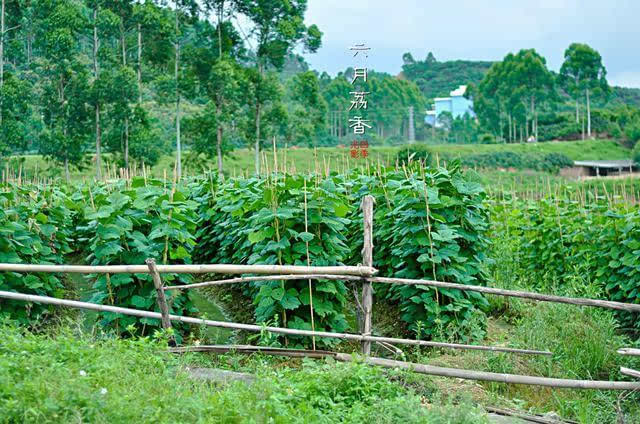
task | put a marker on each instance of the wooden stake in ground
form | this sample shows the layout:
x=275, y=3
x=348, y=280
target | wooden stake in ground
x=160, y=297
x=306, y=229
x=367, y=260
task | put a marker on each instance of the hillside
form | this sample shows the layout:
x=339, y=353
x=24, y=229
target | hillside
x=437, y=79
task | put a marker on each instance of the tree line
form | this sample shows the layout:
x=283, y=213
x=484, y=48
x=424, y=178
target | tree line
x=137, y=79
x=514, y=92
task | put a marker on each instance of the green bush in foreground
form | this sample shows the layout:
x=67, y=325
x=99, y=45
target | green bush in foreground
x=35, y=227
x=61, y=379
x=127, y=225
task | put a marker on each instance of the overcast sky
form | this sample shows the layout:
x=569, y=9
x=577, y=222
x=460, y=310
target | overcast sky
x=477, y=30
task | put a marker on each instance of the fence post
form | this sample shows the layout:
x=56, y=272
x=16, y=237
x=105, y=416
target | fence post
x=160, y=297
x=367, y=260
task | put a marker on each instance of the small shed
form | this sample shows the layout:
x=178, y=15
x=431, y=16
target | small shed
x=602, y=167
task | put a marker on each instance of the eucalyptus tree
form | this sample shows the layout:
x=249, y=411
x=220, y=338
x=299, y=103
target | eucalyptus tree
x=103, y=25
x=16, y=110
x=10, y=22
x=583, y=71
x=213, y=57
x=307, y=108
x=65, y=80
x=278, y=26
x=533, y=81
x=336, y=93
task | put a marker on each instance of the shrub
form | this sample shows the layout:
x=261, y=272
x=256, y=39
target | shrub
x=35, y=228
x=561, y=240
x=428, y=224
x=262, y=221
x=549, y=162
x=127, y=226
x=636, y=153
x=415, y=154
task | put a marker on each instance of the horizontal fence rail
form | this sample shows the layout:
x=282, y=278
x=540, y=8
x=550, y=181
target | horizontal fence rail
x=362, y=271
x=428, y=369
x=630, y=307
x=293, y=272
x=257, y=328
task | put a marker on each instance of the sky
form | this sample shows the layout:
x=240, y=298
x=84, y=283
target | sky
x=476, y=30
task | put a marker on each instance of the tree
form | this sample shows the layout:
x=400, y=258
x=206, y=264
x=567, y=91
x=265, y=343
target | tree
x=223, y=88
x=15, y=109
x=212, y=57
x=308, y=108
x=533, y=81
x=278, y=27
x=583, y=70
x=65, y=81
x=408, y=59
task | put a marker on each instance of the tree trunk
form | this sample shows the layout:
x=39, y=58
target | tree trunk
x=577, y=111
x=257, y=147
x=66, y=169
x=220, y=16
x=178, y=146
x=533, y=117
x=139, y=63
x=1, y=57
x=97, y=106
x=258, y=111
x=588, y=114
x=219, y=140
x=126, y=144
x=126, y=118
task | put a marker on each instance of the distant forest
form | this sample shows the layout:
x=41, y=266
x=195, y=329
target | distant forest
x=438, y=79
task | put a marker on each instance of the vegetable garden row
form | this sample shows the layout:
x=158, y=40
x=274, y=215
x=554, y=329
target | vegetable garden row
x=429, y=223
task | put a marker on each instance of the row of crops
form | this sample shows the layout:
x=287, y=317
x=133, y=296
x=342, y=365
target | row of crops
x=429, y=223
x=576, y=246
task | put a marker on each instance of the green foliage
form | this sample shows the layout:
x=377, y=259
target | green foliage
x=127, y=225
x=35, y=228
x=430, y=224
x=259, y=221
x=636, y=152
x=549, y=162
x=561, y=241
x=262, y=221
x=437, y=79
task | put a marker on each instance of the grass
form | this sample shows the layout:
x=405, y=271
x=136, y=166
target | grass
x=241, y=161
x=67, y=376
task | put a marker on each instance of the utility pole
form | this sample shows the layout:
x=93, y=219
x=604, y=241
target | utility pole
x=412, y=128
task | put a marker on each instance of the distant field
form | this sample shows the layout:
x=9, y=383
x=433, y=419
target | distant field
x=339, y=159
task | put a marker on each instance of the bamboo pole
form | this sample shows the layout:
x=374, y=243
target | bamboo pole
x=248, y=349
x=630, y=372
x=631, y=307
x=367, y=260
x=193, y=269
x=497, y=377
x=255, y=328
x=265, y=278
x=627, y=351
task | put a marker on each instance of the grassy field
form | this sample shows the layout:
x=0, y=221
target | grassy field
x=241, y=161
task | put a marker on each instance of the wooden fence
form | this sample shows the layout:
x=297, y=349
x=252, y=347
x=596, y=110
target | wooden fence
x=366, y=275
